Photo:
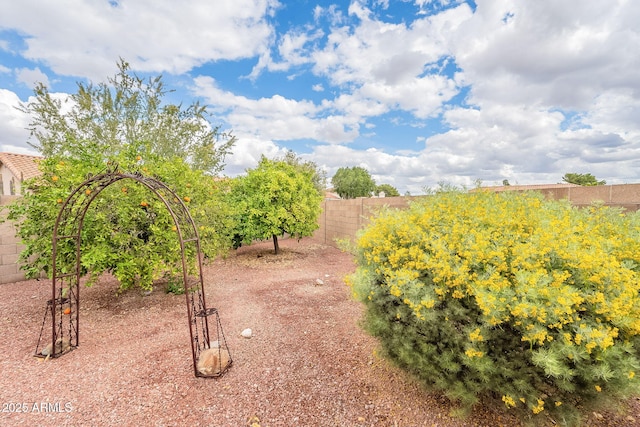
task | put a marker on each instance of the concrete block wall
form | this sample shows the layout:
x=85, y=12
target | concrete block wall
x=343, y=218
x=626, y=196
x=339, y=219
x=10, y=248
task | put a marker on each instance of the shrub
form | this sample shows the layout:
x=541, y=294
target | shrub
x=507, y=297
x=128, y=231
x=123, y=121
x=277, y=197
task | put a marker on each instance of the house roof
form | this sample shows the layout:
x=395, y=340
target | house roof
x=330, y=195
x=23, y=166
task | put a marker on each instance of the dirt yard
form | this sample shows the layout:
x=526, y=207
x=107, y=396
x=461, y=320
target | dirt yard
x=308, y=362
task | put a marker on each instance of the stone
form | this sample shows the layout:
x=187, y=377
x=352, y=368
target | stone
x=247, y=333
x=213, y=361
x=62, y=345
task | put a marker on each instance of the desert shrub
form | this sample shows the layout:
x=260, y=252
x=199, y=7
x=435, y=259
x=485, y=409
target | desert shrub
x=508, y=298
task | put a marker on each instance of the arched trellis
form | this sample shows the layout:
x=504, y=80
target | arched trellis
x=64, y=305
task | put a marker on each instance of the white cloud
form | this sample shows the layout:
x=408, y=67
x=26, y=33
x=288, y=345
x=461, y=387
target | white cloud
x=13, y=124
x=377, y=66
x=423, y=97
x=79, y=38
x=247, y=153
x=615, y=112
x=31, y=77
x=525, y=63
x=552, y=86
x=548, y=52
x=276, y=117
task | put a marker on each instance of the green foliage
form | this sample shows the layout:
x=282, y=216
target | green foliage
x=273, y=199
x=508, y=297
x=126, y=231
x=388, y=190
x=353, y=182
x=318, y=175
x=125, y=114
x=585, y=179
x=445, y=187
x=346, y=245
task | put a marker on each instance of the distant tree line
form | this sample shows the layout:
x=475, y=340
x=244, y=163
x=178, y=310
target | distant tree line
x=584, y=179
x=356, y=181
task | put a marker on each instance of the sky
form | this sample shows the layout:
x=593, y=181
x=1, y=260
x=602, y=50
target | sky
x=418, y=92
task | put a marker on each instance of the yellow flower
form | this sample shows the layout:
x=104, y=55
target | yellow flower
x=471, y=353
x=632, y=374
x=508, y=401
x=598, y=388
x=539, y=408
x=476, y=335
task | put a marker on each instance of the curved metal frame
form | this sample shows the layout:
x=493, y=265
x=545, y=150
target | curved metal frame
x=66, y=284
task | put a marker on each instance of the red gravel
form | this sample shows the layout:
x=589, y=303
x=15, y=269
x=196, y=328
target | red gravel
x=307, y=364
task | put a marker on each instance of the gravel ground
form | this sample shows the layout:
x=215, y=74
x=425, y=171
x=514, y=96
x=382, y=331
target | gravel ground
x=307, y=364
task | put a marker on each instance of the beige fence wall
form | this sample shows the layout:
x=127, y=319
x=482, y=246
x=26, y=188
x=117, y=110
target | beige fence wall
x=341, y=219
x=10, y=247
x=626, y=196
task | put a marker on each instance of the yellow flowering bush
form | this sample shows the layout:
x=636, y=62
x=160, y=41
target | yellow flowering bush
x=506, y=296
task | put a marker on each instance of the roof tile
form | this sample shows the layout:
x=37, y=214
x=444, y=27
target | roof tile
x=23, y=166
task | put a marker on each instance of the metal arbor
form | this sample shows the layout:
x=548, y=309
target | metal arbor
x=64, y=305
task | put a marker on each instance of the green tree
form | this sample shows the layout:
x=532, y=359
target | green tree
x=122, y=123
x=388, y=190
x=273, y=199
x=318, y=175
x=353, y=182
x=585, y=179
x=102, y=120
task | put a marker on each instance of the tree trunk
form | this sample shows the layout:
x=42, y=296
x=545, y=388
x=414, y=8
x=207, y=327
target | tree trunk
x=276, y=248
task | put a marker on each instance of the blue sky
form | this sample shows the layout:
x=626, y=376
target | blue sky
x=417, y=92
